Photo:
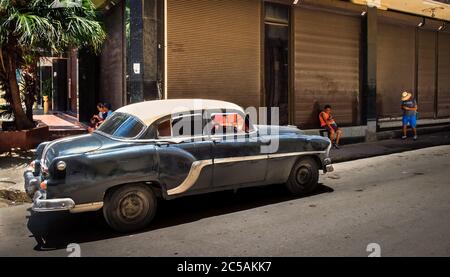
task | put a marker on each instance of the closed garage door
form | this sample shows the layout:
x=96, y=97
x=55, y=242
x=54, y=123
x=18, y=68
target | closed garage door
x=444, y=75
x=326, y=66
x=214, y=50
x=396, y=67
x=427, y=73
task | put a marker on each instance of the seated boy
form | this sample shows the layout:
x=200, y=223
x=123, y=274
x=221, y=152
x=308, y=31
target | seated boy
x=327, y=121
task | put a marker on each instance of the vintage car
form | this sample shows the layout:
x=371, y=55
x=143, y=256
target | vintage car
x=141, y=154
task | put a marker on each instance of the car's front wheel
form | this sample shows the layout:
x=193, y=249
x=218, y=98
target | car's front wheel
x=304, y=176
x=130, y=207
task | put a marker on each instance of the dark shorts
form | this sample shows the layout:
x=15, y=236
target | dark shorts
x=334, y=128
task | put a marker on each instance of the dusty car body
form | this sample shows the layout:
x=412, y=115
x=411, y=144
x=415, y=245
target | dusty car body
x=136, y=157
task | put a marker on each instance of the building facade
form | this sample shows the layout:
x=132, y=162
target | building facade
x=295, y=55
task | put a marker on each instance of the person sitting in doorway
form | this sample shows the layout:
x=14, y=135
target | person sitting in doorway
x=409, y=108
x=327, y=121
x=97, y=118
x=106, y=111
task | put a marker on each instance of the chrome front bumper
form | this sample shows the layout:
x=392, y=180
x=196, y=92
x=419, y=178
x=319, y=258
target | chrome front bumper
x=41, y=204
x=31, y=183
x=40, y=201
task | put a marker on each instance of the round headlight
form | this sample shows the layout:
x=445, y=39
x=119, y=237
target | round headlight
x=61, y=166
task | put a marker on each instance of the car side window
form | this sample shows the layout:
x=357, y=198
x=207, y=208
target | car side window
x=164, y=129
x=227, y=124
x=150, y=133
x=188, y=125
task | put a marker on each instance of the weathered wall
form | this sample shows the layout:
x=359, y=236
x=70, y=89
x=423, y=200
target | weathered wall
x=112, y=59
x=326, y=66
x=214, y=50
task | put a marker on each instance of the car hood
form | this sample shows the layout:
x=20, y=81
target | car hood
x=70, y=146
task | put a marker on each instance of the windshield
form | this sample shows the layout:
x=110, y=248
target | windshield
x=122, y=126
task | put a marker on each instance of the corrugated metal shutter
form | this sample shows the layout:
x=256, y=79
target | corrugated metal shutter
x=214, y=50
x=395, y=68
x=444, y=75
x=327, y=66
x=426, y=73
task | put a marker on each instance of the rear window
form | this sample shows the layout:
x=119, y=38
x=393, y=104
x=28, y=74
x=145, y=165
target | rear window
x=228, y=123
x=122, y=125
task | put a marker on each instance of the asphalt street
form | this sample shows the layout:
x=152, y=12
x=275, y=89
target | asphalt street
x=399, y=201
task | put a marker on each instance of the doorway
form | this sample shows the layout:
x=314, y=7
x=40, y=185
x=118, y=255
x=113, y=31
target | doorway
x=60, y=86
x=276, y=60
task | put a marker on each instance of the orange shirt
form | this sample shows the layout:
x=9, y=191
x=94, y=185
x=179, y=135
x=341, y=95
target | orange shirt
x=325, y=119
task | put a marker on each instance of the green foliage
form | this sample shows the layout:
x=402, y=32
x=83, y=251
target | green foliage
x=36, y=23
x=31, y=28
x=47, y=88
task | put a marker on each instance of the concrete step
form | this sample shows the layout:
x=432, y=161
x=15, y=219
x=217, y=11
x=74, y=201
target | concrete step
x=57, y=134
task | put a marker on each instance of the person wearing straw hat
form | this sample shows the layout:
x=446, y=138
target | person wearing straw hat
x=409, y=108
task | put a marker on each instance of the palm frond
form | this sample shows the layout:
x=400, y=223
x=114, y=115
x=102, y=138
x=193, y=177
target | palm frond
x=84, y=32
x=30, y=28
x=4, y=4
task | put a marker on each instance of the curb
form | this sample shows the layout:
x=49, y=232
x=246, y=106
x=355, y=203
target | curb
x=393, y=134
x=381, y=148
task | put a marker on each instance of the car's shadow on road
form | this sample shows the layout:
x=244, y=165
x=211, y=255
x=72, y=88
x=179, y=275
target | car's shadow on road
x=54, y=231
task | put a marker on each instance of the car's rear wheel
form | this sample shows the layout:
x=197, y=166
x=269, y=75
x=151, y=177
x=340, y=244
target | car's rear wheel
x=130, y=208
x=304, y=176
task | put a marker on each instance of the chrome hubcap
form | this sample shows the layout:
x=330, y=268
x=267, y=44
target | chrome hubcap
x=131, y=206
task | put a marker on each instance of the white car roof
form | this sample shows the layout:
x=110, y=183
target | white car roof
x=150, y=111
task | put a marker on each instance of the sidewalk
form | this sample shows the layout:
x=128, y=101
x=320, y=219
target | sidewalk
x=385, y=147
x=59, y=122
x=61, y=125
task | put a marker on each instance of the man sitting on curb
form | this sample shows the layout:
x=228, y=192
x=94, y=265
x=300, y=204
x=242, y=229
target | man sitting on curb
x=327, y=122
x=409, y=107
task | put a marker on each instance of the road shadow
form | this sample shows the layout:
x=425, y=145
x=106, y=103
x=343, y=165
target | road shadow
x=53, y=231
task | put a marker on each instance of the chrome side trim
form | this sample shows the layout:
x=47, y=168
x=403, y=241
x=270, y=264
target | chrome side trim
x=293, y=154
x=191, y=179
x=240, y=159
x=262, y=157
x=84, y=208
x=198, y=166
